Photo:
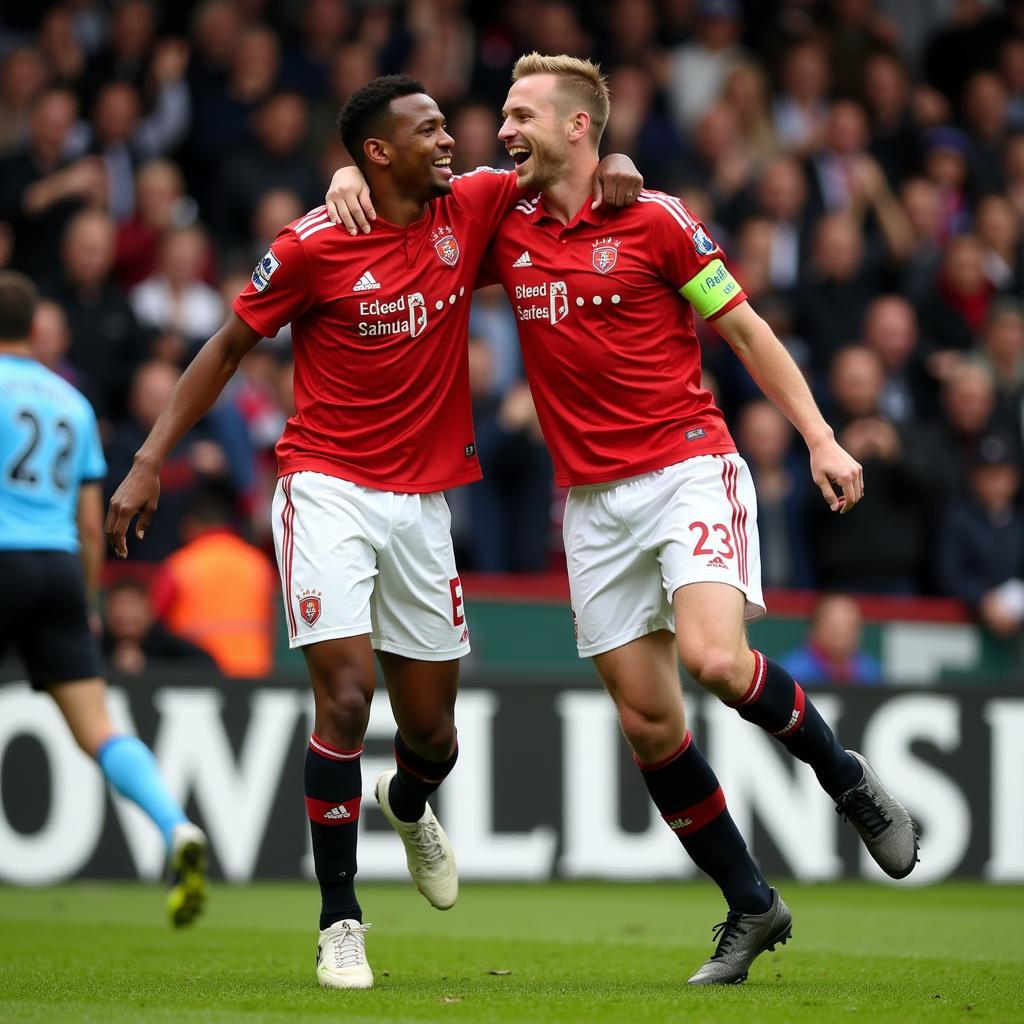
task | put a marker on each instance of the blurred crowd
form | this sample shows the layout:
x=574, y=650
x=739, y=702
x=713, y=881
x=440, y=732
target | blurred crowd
x=860, y=161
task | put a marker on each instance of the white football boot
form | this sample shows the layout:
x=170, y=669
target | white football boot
x=428, y=853
x=341, y=956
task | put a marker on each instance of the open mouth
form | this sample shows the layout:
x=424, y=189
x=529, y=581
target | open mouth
x=519, y=154
x=444, y=163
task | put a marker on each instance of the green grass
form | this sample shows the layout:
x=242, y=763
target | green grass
x=575, y=952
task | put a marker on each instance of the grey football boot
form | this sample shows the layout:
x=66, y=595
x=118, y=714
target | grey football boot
x=883, y=822
x=742, y=938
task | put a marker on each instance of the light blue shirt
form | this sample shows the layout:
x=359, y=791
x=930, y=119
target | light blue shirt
x=49, y=446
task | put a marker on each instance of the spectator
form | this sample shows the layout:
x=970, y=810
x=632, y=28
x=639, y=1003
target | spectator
x=133, y=641
x=953, y=313
x=968, y=413
x=274, y=160
x=839, y=285
x=40, y=189
x=801, y=104
x=176, y=298
x=1002, y=351
x=946, y=164
x=218, y=591
x=51, y=340
x=198, y=459
x=986, y=117
x=922, y=206
x=305, y=66
x=1013, y=170
x=882, y=549
x=998, y=228
x=981, y=545
x=765, y=438
x=832, y=653
x=474, y=126
x=698, y=70
x=275, y=208
x=122, y=137
x=748, y=93
x=127, y=55
x=894, y=138
x=160, y=204
x=223, y=107
x=60, y=48
x=891, y=332
x=718, y=162
x=22, y=78
x=353, y=65
x=513, y=501
x=106, y=342
x=1011, y=67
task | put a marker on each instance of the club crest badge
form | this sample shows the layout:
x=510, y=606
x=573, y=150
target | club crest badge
x=309, y=606
x=605, y=255
x=445, y=245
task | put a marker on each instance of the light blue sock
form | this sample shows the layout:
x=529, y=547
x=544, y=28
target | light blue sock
x=131, y=768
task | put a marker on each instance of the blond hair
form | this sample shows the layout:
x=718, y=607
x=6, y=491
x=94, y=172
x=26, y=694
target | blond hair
x=580, y=84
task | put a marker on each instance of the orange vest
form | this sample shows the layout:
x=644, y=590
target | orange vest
x=223, y=601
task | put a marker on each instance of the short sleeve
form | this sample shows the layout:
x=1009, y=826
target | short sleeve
x=690, y=260
x=93, y=467
x=486, y=195
x=280, y=289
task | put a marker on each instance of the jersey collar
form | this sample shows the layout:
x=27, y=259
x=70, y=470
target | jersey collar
x=585, y=215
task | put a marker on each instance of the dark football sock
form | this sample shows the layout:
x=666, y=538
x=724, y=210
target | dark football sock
x=334, y=790
x=776, y=703
x=416, y=780
x=686, y=791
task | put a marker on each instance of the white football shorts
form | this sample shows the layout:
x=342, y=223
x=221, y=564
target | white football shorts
x=354, y=560
x=630, y=544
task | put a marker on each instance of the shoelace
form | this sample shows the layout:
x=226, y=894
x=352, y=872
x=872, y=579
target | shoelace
x=863, y=809
x=347, y=946
x=727, y=932
x=428, y=842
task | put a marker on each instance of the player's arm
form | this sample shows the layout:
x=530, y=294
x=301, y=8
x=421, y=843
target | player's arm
x=780, y=379
x=89, y=518
x=193, y=395
x=617, y=182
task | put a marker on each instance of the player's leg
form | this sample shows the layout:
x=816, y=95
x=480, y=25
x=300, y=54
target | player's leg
x=643, y=680
x=426, y=749
x=324, y=534
x=420, y=633
x=711, y=567
x=342, y=673
x=130, y=768
x=60, y=655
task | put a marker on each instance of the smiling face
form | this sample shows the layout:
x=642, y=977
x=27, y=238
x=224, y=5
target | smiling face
x=536, y=131
x=417, y=146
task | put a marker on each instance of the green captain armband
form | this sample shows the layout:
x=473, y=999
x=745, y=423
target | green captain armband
x=711, y=290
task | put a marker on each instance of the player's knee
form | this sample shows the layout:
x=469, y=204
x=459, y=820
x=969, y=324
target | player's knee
x=432, y=740
x=343, y=708
x=651, y=734
x=716, y=669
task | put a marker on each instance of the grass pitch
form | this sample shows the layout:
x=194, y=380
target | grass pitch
x=551, y=953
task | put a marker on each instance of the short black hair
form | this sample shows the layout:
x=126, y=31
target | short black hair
x=18, y=301
x=368, y=110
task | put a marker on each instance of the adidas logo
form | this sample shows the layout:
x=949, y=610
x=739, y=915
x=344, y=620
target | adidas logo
x=340, y=812
x=523, y=261
x=717, y=563
x=366, y=283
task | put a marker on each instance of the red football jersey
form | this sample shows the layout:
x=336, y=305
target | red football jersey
x=604, y=307
x=379, y=325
